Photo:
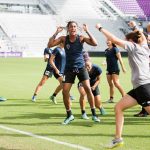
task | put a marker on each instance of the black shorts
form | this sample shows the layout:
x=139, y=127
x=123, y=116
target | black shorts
x=57, y=75
x=95, y=92
x=48, y=72
x=70, y=75
x=141, y=94
x=112, y=72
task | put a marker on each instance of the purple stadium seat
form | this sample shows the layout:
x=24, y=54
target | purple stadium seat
x=129, y=7
x=145, y=5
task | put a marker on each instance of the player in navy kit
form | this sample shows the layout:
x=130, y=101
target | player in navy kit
x=112, y=54
x=49, y=71
x=58, y=61
x=94, y=74
x=75, y=66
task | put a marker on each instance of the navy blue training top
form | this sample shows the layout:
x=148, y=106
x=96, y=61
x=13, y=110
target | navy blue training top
x=60, y=59
x=94, y=72
x=48, y=51
x=74, y=56
x=112, y=60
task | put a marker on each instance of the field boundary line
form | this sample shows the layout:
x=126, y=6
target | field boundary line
x=78, y=147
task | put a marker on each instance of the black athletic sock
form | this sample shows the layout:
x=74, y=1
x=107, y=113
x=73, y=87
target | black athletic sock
x=93, y=111
x=111, y=97
x=69, y=113
x=82, y=111
x=54, y=94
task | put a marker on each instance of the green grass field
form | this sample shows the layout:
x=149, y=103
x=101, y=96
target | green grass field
x=18, y=79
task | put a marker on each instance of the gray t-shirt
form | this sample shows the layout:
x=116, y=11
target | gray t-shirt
x=139, y=62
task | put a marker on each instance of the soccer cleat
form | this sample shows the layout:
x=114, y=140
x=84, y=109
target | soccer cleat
x=84, y=116
x=33, y=98
x=140, y=115
x=109, y=101
x=72, y=98
x=95, y=119
x=115, y=143
x=53, y=98
x=2, y=99
x=68, y=120
x=102, y=110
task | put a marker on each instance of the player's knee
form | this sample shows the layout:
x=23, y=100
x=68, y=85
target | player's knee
x=65, y=92
x=41, y=83
x=117, y=108
x=116, y=84
x=87, y=88
x=111, y=85
x=82, y=96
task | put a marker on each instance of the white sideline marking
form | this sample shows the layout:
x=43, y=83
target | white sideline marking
x=45, y=138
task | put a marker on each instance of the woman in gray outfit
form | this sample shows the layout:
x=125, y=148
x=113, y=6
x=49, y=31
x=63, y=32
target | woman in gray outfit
x=138, y=56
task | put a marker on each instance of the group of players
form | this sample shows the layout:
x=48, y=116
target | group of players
x=74, y=62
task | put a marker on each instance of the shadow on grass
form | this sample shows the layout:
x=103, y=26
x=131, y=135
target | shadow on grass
x=2, y=148
x=23, y=119
x=74, y=135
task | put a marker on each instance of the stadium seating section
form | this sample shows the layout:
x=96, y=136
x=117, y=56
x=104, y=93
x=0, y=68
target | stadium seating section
x=25, y=26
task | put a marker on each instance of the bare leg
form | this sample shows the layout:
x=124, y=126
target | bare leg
x=59, y=87
x=87, y=88
x=147, y=109
x=66, y=95
x=41, y=83
x=117, y=84
x=126, y=102
x=82, y=98
x=111, y=85
x=98, y=101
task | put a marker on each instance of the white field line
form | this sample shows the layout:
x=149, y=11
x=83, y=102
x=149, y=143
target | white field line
x=78, y=147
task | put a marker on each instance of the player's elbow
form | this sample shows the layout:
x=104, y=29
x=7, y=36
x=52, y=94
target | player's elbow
x=95, y=43
x=49, y=45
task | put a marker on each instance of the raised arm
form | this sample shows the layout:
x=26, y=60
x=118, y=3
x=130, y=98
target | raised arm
x=110, y=36
x=90, y=39
x=144, y=40
x=53, y=41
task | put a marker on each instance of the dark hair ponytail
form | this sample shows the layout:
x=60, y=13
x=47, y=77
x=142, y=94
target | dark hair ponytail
x=134, y=36
x=114, y=45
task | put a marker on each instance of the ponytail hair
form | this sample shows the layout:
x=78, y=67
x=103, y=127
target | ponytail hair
x=114, y=45
x=134, y=36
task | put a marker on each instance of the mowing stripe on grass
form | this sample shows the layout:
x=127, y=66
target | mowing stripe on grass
x=45, y=138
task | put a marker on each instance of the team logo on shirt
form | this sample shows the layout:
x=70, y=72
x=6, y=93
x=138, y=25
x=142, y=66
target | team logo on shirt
x=49, y=51
x=67, y=46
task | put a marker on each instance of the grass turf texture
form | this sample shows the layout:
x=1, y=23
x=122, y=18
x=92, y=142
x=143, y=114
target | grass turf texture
x=18, y=79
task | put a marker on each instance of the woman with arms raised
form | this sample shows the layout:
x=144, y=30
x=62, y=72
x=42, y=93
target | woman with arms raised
x=75, y=66
x=138, y=56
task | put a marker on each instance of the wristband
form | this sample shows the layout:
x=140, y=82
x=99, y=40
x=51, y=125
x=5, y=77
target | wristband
x=100, y=28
